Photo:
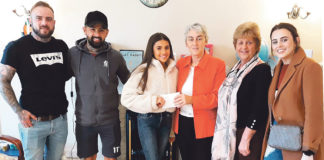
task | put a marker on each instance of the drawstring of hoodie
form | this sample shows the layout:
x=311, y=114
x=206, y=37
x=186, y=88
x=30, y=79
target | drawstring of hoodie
x=106, y=61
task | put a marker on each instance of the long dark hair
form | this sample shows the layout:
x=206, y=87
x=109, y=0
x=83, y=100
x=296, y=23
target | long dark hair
x=292, y=29
x=149, y=54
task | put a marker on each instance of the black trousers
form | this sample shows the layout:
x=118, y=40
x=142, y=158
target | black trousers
x=190, y=147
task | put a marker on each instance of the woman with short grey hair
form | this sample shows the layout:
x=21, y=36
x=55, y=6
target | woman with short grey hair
x=197, y=27
x=199, y=77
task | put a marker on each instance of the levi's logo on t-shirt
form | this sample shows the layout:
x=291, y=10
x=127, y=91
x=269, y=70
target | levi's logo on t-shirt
x=47, y=58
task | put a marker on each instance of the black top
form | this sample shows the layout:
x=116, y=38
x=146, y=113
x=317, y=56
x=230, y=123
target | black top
x=42, y=71
x=252, y=98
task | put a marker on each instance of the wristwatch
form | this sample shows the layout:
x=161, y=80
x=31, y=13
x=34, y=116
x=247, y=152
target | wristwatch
x=308, y=153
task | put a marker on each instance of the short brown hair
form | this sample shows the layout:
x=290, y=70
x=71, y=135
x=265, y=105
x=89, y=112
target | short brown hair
x=41, y=4
x=248, y=29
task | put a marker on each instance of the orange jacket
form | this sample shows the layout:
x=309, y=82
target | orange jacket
x=209, y=74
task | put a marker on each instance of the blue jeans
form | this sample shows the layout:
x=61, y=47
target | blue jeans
x=45, y=139
x=154, y=130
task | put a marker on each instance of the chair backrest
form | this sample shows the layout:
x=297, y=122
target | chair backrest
x=16, y=142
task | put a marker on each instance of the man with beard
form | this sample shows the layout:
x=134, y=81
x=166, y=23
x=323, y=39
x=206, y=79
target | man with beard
x=40, y=62
x=96, y=67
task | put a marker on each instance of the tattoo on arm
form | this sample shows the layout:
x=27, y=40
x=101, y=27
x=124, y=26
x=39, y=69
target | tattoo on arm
x=6, y=74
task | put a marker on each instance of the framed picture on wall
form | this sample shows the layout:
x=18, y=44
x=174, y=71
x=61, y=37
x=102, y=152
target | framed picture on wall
x=133, y=58
x=209, y=48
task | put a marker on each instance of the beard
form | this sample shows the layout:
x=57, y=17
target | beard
x=95, y=44
x=38, y=33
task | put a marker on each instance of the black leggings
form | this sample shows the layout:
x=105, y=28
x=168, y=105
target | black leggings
x=190, y=147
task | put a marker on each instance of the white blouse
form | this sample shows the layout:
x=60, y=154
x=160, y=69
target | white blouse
x=187, y=110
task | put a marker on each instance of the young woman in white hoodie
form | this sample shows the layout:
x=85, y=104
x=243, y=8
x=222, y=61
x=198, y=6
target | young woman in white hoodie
x=155, y=76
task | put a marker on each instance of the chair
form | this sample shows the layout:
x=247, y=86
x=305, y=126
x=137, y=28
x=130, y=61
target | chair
x=16, y=142
x=171, y=140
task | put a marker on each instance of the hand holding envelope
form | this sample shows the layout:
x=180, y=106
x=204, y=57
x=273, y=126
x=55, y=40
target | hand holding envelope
x=160, y=101
x=169, y=100
x=182, y=99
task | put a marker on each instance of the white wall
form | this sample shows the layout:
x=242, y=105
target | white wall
x=131, y=24
x=9, y=30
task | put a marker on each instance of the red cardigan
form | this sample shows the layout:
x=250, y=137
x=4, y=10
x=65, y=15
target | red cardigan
x=209, y=74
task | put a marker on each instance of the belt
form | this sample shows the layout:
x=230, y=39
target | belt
x=160, y=113
x=48, y=118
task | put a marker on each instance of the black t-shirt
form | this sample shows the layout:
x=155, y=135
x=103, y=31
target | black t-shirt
x=42, y=70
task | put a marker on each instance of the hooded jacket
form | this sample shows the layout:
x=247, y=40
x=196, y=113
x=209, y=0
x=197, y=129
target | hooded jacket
x=96, y=81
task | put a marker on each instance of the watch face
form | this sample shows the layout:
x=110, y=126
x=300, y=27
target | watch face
x=154, y=3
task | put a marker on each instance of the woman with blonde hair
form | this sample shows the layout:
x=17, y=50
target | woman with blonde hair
x=242, y=100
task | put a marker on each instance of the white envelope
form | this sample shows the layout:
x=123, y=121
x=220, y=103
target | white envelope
x=169, y=100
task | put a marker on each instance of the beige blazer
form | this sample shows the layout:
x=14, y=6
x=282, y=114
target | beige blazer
x=299, y=102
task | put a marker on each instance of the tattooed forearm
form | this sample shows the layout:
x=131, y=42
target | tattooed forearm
x=6, y=75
